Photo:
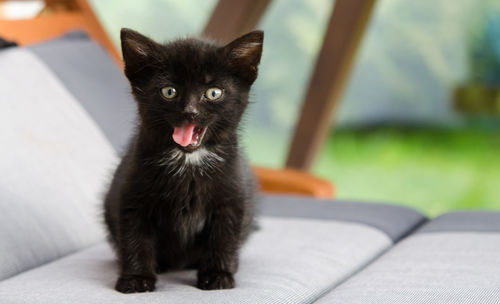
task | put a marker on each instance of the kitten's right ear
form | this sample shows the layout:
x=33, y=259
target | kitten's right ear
x=137, y=49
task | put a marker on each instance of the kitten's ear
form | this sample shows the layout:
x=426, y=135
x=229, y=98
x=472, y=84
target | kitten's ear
x=244, y=54
x=137, y=49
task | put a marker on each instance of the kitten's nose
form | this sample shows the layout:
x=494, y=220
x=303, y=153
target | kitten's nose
x=191, y=113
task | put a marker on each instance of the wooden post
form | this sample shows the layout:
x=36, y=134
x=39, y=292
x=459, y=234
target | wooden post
x=345, y=29
x=232, y=18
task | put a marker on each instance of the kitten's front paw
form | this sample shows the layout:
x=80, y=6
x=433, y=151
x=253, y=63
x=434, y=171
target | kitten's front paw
x=131, y=284
x=215, y=280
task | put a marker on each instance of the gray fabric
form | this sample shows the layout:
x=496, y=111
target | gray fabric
x=465, y=221
x=440, y=267
x=286, y=261
x=54, y=164
x=395, y=221
x=95, y=81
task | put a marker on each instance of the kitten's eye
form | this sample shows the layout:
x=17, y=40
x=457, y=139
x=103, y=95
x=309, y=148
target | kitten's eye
x=169, y=92
x=213, y=93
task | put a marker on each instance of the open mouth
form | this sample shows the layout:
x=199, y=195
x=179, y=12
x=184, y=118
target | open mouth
x=189, y=136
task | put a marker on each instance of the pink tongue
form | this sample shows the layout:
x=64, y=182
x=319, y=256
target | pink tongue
x=183, y=135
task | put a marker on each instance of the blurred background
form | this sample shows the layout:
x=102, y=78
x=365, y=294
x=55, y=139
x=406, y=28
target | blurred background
x=419, y=121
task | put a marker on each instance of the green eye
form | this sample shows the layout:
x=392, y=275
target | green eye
x=213, y=93
x=169, y=92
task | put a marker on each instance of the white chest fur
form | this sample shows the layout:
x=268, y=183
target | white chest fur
x=201, y=159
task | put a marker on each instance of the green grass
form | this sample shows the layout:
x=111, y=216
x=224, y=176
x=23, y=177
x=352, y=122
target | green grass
x=431, y=170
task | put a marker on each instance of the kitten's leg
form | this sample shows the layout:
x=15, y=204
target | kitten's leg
x=137, y=260
x=162, y=263
x=219, y=261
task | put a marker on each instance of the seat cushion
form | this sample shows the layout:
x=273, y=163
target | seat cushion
x=452, y=259
x=292, y=258
x=395, y=221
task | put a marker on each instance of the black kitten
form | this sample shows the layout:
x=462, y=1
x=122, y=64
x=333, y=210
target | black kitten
x=183, y=196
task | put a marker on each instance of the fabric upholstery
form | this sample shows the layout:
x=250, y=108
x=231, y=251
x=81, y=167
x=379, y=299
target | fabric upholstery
x=395, y=221
x=54, y=167
x=479, y=221
x=286, y=261
x=91, y=76
x=457, y=266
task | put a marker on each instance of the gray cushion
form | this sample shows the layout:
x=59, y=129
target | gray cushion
x=54, y=166
x=91, y=76
x=479, y=221
x=395, y=221
x=288, y=260
x=452, y=261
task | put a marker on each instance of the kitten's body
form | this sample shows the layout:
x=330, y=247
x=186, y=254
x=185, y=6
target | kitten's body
x=172, y=206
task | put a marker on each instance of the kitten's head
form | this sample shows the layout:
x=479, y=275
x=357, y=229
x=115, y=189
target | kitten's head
x=191, y=92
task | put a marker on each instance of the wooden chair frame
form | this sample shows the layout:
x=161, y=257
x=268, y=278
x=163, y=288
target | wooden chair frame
x=56, y=18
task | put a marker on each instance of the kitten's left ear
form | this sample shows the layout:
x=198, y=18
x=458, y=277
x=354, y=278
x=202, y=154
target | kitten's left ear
x=243, y=54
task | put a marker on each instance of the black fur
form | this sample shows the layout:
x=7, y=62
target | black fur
x=161, y=213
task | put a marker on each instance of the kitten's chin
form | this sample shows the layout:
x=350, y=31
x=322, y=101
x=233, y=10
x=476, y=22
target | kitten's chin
x=189, y=136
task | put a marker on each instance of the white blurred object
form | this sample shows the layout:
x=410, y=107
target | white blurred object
x=20, y=9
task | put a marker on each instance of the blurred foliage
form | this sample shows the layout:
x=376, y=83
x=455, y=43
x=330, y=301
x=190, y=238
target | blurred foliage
x=413, y=55
x=431, y=170
x=481, y=93
x=478, y=98
x=484, y=51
